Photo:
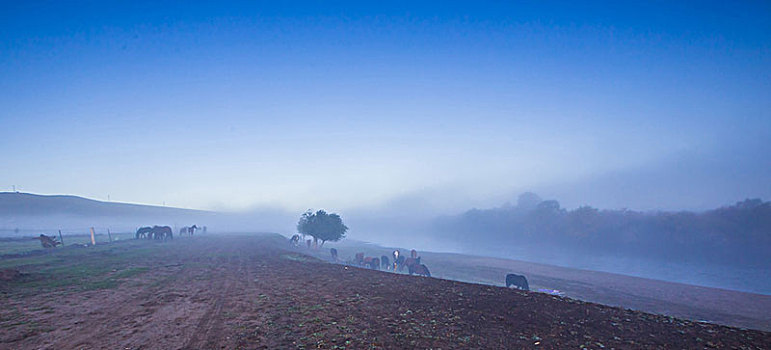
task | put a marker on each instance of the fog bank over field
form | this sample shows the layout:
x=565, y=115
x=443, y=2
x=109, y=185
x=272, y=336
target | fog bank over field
x=23, y=214
x=725, y=247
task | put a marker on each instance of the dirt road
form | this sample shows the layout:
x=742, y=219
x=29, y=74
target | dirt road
x=249, y=292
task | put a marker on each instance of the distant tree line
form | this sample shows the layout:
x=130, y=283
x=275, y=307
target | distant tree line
x=739, y=234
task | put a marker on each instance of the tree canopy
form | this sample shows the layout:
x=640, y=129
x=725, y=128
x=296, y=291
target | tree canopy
x=322, y=226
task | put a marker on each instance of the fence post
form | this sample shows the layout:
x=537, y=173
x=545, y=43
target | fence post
x=93, y=241
x=61, y=239
x=109, y=235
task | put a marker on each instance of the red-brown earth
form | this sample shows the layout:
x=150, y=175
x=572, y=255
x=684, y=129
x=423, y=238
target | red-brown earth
x=249, y=292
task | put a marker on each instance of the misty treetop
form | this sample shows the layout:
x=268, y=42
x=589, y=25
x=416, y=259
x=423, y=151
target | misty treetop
x=322, y=226
x=736, y=234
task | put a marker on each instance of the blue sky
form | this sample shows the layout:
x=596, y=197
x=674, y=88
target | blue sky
x=343, y=105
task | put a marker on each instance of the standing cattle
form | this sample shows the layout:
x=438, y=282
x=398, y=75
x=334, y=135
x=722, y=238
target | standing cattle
x=384, y=262
x=333, y=251
x=518, y=281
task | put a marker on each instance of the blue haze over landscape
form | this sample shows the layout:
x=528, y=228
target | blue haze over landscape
x=391, y=112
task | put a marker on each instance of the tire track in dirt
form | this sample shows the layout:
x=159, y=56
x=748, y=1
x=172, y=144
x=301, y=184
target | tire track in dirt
x=210, y=332
x=205, y=334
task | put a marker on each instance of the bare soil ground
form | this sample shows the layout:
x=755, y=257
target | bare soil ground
x=249, y=292
x=696, y=303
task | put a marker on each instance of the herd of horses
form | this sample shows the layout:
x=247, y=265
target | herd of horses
x=165, y=232
x=413, y=264
x=155, y=232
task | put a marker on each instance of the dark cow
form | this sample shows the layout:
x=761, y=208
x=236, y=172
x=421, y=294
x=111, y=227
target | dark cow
x=419, y=269
x=333, y=251
x=384, y=263
x=142, y=232
x=518, y=281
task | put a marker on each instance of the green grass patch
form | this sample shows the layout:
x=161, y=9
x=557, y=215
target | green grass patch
x=296, y=257
x=131, y=272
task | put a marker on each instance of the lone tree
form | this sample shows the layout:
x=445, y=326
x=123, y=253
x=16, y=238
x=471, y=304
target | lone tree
x=321, y=226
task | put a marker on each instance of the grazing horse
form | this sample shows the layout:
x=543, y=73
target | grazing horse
x=419, y=269
x=372, y=263
x=517, y=281
x=399, y=263
x=183, y=230
x=409, y=262
x=144, y=231
x=162, y=232
x=384, y=262
x=333, y=251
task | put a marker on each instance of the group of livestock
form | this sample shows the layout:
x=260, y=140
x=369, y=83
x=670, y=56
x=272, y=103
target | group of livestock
x=164, y=232
x=415, y=267
x=413, y=264
x=155, y=232
x=190, y=230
